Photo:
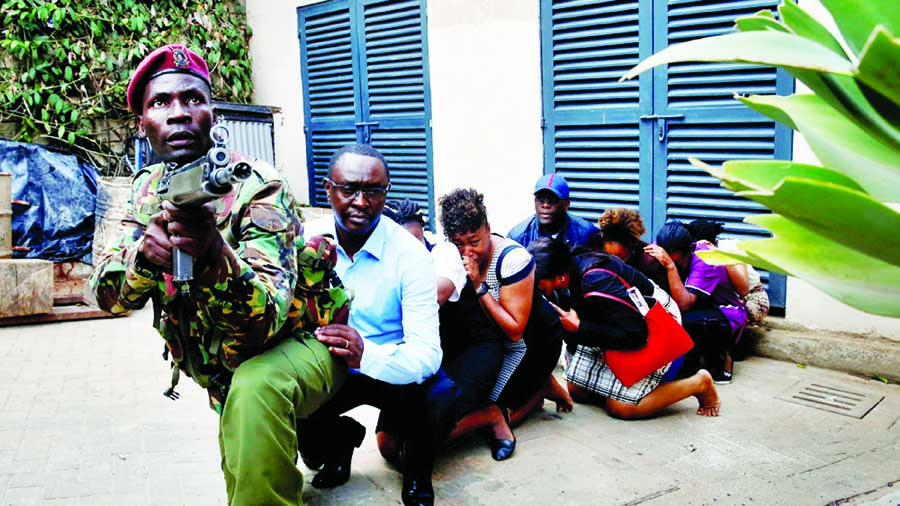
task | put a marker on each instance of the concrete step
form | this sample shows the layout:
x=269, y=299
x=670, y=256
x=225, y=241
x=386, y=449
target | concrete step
x=864, y=355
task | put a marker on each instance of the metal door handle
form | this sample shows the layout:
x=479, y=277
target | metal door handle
x=662, y=123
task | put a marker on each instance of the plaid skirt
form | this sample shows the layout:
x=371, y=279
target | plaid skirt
x=587, y=369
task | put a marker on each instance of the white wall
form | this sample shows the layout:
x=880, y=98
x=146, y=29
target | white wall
x=275, y=58
x=486, y=102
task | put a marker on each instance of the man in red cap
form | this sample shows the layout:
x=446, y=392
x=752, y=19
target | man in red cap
x=242, y=328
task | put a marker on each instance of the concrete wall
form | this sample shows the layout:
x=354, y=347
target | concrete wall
x=275, y=56
x=486, y=102
x=486, y=111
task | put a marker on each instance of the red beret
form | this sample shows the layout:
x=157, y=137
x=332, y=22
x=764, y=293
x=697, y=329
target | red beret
x=167, y=59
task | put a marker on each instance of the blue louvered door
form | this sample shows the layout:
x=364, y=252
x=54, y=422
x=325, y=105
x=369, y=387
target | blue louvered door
x=592, y=126
x=627, y=144
x=707, y=123
x=331, y=102
x=365, y=76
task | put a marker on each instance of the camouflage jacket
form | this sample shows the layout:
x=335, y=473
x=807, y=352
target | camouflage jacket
x=275, y=286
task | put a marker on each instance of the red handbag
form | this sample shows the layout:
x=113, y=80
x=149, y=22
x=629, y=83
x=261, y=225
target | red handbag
x=666, y=341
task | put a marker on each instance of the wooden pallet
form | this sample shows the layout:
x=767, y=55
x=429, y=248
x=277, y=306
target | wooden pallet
x=58, y=314
x=68, y=301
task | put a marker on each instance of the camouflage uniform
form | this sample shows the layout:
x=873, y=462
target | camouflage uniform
x=250, y=309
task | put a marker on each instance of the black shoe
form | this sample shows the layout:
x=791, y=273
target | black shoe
x=312, y=460
x=336, y=470
x=502, y=449
x=725, y=374
x=417, y=491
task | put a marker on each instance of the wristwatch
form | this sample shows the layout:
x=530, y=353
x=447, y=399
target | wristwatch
x=482, y=289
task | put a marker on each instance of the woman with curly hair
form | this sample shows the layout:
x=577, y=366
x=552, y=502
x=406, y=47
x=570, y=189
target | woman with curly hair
x=620, y=235
x=501, y=279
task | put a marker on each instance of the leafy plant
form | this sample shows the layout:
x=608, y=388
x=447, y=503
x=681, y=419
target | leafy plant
x=66, y=64
x=835, y=225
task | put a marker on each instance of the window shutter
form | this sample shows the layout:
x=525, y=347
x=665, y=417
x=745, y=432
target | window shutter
x=715, y=127
x=396, y=97
x=627, y=144
x=591, y=121
x=365, y=67
x=330, y=94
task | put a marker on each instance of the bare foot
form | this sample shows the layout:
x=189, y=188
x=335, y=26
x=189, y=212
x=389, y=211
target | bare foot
x=707, y=396
x=559, y=395
x=538, y=407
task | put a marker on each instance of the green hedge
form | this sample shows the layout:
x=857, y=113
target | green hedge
x=65, y=65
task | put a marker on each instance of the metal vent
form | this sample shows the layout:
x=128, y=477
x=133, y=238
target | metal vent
x=831, y=398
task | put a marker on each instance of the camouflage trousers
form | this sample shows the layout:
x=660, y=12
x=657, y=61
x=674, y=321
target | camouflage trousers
x=257, y=430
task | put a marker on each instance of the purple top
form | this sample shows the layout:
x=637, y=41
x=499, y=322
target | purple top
x=712, y=280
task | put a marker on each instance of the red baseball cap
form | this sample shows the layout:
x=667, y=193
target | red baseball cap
x=173, y=58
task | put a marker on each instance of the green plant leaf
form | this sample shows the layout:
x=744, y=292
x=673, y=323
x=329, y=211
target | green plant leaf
x=762, y=20
x=838, y=143
x=870, y=285
x=761, y=47
x=856, y=19
x=878, y=65
x=804, y=25
x=844, y=216
x=765, y=175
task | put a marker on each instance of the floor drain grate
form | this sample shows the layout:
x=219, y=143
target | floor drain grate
x=832, y=398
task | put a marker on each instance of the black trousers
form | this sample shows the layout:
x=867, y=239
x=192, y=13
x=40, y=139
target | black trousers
x=425, y=414
x=712, y=335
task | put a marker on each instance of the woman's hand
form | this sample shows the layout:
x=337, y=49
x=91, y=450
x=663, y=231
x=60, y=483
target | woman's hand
x=569, y=319
x=660, y=254
x=471, y=267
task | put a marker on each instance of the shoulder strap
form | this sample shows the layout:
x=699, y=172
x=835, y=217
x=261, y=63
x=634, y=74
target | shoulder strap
x=608, y=296
x=598, y=269
x=503, y=253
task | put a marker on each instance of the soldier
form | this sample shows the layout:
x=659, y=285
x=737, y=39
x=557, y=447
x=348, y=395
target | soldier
x=242, y=328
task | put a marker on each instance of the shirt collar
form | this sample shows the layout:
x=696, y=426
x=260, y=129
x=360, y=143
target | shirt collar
x=374, y=245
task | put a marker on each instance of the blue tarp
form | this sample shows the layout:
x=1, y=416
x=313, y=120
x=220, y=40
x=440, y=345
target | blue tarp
x=58, y=222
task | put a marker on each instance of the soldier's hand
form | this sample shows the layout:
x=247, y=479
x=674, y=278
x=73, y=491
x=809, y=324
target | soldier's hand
x=156, y=247
x=193, y=230
x=343, y=341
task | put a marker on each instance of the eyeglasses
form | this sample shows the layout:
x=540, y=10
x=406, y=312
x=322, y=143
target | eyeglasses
x=350, y=192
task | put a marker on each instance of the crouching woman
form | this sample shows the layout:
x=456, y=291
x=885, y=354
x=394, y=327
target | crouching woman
x=600, y=324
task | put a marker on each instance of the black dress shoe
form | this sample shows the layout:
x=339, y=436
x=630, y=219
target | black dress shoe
x=502, y=449
x=312, y=460
x=336, y=470
x=417, y=492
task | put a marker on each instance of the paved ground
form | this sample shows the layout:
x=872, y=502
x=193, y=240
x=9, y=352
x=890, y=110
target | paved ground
x=83, y=422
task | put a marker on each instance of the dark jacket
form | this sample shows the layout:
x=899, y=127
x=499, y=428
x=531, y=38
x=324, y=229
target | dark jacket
x=575, y=231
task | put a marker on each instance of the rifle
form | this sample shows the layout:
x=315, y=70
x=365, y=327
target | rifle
x=206, y=179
